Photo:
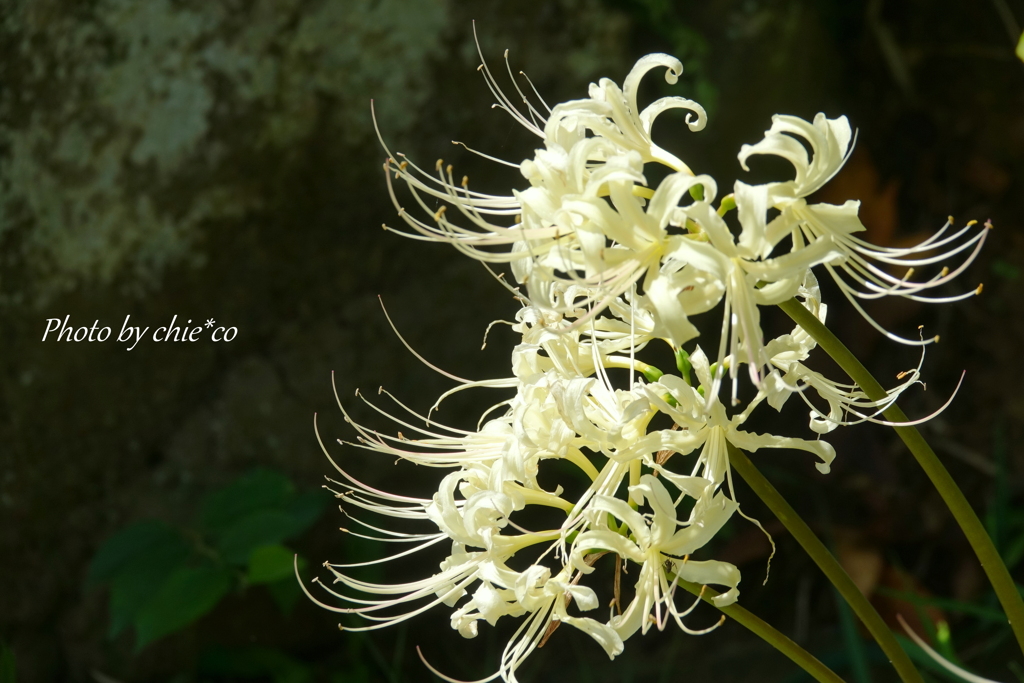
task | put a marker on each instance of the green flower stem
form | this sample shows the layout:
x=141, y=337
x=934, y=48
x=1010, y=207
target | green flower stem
x=827, y=563
x=801, y=657
x=998, y=574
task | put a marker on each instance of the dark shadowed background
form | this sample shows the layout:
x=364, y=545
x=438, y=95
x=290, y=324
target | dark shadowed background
x=216, y=160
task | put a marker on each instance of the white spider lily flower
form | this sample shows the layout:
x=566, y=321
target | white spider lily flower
x=613, y=114
x=706, y=425
x=660, y=546
x=545, y=600
x=856, y=272
x=747, y=284
x=791, y=376
x=563, y=230
x=847, y=403
x=504, y=592
x=607, y=421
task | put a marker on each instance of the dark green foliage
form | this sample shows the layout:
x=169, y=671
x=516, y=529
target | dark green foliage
x=187, y=594
x=8, y=672
x=162, y=579
x=261, y=489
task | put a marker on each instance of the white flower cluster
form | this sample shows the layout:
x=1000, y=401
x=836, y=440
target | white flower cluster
x=607, y=265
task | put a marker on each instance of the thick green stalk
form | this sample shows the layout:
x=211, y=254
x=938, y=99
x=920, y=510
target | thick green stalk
x=827, y=563
x=804, y=659
x=998, y=574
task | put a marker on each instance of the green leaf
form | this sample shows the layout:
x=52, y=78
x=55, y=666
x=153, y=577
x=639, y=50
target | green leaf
x=285, y=593
x=138, y=578
x=271, y=563
x=258, y=490
x=860, y=670
x=266, y=527
x=125, y=546
x=307, y=508
x=186, y=595
x=1014, y=552
x=8, y=670
x=269, y=526
x=986, y=613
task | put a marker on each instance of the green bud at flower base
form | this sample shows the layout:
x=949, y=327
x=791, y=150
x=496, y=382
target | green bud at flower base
x=683, y=363
x=652, y=373
x=697, y=192
x=727, y=204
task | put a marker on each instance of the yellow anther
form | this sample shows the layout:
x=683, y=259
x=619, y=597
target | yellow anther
x=910, y=272
x=971, y=222
x=944, y=272
x=439, y=164
x=981, y=286
x=936, y=339
x=449, y=169
x=950, y=220
x=439, y=213
x=988, y=224
x=465, y=181
x=404, y=165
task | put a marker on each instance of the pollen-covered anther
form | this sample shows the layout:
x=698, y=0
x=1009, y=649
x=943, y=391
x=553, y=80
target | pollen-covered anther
x=465, y=181
x=988, y=224
x=439, y=213
x=449, y=169
x=981, y=285
x=439, y=165
x=944, y=272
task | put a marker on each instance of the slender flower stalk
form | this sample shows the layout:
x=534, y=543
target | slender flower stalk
x=828, y=564
x=991, y=561
x=781, y=642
